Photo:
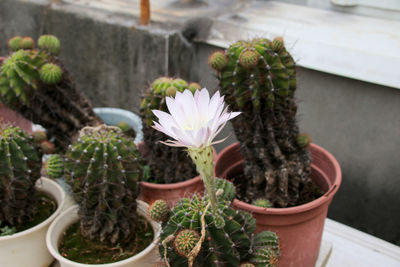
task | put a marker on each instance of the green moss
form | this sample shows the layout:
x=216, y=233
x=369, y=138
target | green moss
x=77, y=248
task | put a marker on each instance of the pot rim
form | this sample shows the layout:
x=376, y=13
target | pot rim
x=301, y=208
x=142, y=208
x=173, y=185
x=46, y=222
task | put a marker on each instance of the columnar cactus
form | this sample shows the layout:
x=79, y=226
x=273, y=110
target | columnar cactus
x=20, y=164
x=258, y=77
x=168, y=164
x=34, y=83
x=103, y=168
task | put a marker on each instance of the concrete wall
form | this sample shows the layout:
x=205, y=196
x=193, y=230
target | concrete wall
x=113, y=60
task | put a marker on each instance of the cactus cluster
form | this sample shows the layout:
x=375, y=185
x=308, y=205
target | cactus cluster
x=103, y=168
x=20, y=164
x=179, y=167
x=258, y=78
x=34, y=83
x=190, y=237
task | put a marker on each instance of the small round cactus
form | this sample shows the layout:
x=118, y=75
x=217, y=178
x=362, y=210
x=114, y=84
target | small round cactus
x=218, y=60
x=27, y=43
x=193, y=87
x=39, y=136
x=249, y=59
x=47, y=147
x=303, y=140
x=185, y=241
x=266, y=251
x=247, y=264
x=159, y=210
x=54, y=166
x=50, y=43
x=15, y=43
x=50, y=73
x=277, y=44
x=123, y=126
x=263, y=203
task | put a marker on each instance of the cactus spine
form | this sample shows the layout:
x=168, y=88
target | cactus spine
x=258, y=77
x=160, y=156
x=20, y=164
x=34, y=83
x=103, y=169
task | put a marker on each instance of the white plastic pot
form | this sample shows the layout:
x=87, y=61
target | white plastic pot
x=146, y=258
x=112, y=116
x=28, y=248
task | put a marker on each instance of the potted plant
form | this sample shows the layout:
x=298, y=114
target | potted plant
x=205, y=230
x=172, y=173
x=109, y=226
x=297, y=180
x=34, y=83
x=27, y=204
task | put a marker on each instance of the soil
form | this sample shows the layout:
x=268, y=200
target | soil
x=46, y=206
x=77, y=248
x=131, y=133
x=307, y=193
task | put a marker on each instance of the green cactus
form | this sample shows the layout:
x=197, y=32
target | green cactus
x=27, y=43
x=303, y=140
x=15, y=43
x=47, y=147
x=50, y=73
x=258, y=78
x=168, y=164
x=246, y=264
x=33, y=83
x=50, y=43
x=159, y=210
x=54, y=166
x=20, y=164
x=103, y=169
x=266, y=251
x=185, y=241
x=227, y=187
x=220, y=247
x=262, y=202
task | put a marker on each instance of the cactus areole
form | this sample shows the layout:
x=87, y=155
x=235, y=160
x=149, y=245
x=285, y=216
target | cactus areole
x=258, y=78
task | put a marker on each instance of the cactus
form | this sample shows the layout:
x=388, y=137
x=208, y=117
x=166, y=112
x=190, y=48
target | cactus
x=103, y=169
x=27, y=43
x=15, y=43
x=159, y=210
x=258, y=77
x=50, y=43
x=266, y=251
x=20, y=164
x=168, y=164
x=47, y=147
x=262, y=202
x=39, y=136
x=185, y=241
x=54, y=166
x=221, y=247
x=34, y=83
x=246, y=264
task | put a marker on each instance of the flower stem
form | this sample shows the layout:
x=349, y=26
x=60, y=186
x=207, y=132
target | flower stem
x=203, y=158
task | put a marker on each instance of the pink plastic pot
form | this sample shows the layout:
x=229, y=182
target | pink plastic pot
x=171, y=193
x=9, y=116
x=299, y=228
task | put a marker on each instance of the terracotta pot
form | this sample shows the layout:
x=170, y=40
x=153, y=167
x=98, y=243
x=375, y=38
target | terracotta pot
x=299, y=228
x=10, y=116
x=171, y=193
